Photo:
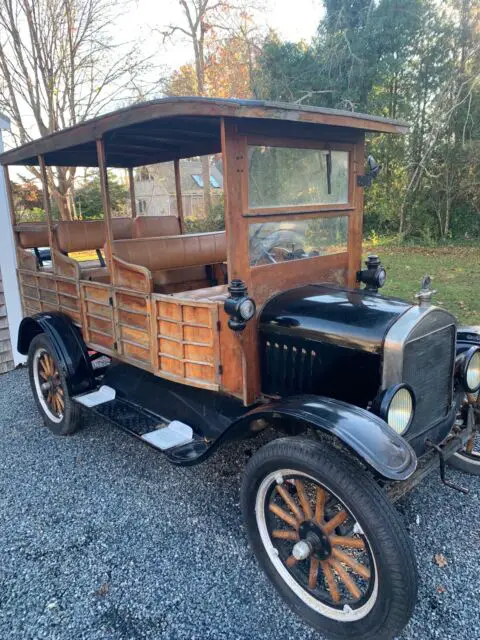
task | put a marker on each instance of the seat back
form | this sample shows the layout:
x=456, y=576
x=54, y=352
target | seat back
x=81, y=235
x=123, y=228
x=32, y=235
x=155, y=226
x=173, y=252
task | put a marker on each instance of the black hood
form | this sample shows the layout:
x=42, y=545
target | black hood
x=325, y=313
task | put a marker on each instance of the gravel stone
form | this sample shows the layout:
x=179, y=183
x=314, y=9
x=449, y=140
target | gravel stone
x=101, y=538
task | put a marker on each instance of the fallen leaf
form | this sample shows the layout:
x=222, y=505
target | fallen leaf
x=103, y=590
x=440, y=560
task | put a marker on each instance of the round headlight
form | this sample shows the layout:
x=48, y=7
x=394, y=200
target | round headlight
x=472, y=373
x=247, y=309
x=400, y=410
x=396, y=406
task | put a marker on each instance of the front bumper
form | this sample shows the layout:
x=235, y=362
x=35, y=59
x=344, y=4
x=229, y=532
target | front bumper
x=454, y=442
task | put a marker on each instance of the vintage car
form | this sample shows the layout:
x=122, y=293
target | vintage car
x=189, y=341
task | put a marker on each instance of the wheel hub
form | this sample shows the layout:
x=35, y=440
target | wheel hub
x=314, y=536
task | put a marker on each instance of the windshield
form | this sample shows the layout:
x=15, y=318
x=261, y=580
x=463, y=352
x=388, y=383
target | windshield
x=281, y=241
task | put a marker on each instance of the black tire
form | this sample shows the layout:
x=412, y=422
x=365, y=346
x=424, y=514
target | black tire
x=393, y=594
x=63, y=418
x=466, y=463
x=468, y=460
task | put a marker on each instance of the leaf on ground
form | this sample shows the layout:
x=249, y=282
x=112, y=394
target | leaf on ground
x=103, y=590
x=440, y=560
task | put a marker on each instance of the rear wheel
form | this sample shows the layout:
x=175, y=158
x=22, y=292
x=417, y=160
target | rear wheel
x=329, y=540
x=49, y=385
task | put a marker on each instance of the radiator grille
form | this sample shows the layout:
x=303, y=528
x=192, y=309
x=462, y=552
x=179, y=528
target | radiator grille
x=428, y=368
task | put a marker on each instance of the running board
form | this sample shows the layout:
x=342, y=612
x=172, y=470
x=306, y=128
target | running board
x=174, y=438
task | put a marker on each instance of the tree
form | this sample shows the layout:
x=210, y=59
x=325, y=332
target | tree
x=418, y=60
x=203, y=21
x=88, y=197
x=58, y=67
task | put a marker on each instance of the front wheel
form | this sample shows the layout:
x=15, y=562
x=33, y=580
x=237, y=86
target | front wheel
x=329, y=540
x=468, y=459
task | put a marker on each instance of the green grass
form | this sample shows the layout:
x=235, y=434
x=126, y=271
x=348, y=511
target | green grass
x=455, y=271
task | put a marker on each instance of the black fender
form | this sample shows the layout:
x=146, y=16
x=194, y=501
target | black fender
x=367, y=435
x=467, y=337
x=69, y=348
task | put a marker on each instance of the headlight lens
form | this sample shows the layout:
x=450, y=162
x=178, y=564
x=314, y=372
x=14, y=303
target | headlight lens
x=247, y=309
x=472, y=374
x=400, y=410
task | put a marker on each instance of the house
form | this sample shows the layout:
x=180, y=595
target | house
x=9, y=293
x=155, y=188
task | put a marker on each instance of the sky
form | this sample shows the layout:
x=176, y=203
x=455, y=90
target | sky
x=293, y=20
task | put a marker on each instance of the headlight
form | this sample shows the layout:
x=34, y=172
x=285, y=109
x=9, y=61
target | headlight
x=247, y=309
x=468, y=369
x=397, y=407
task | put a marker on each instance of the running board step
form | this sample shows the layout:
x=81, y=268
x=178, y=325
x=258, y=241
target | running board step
x=176, y=439
x=95, y=398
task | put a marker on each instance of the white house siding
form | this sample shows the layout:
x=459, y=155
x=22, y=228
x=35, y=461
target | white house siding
x=6, y=355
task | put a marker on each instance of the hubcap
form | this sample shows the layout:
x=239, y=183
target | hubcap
x=316, y=545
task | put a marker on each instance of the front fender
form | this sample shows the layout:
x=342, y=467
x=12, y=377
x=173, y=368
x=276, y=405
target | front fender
x=68, y=346
x=467, y=337
x=368, y=436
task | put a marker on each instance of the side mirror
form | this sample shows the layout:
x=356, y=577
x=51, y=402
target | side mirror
x=373, y=170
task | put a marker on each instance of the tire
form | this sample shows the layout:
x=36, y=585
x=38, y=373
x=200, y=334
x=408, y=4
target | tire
x=60, y=414
x=373, y=529
x=468, y=460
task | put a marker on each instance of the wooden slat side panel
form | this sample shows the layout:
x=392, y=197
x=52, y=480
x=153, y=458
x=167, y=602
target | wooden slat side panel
x=133, y=327
x=188, y=345
x=97, y=315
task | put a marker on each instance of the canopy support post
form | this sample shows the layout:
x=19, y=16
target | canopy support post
x=131, y=185
x=102, y=165
x=48, y=207
x=178, y=189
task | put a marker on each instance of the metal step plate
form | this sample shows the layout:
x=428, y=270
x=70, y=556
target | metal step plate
x=93, y=399
x=175, y=435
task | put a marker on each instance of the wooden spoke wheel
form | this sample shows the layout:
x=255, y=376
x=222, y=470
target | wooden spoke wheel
x=319, y=541
x=329, y=540
x=49, y=385
x=50, y=388
x=468, y=459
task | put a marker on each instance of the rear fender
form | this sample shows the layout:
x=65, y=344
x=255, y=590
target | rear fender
x=68, y=346
x=387, y=453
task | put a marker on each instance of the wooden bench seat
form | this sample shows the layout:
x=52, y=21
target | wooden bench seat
x=175, y=263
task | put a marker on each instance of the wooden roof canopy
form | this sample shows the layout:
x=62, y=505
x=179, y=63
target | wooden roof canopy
x=172, y=128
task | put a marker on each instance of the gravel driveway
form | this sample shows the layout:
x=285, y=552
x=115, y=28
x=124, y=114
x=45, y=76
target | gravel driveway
x=101, y=538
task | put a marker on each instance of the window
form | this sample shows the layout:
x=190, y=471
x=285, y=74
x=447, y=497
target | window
x=281, y=241
x=284, y=176
x=199, y=181
x=142, y=206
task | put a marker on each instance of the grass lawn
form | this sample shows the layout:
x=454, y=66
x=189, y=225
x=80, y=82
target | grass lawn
x=455, y=272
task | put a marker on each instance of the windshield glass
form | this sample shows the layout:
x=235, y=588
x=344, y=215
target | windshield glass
x=283, y=176
x=280, y=241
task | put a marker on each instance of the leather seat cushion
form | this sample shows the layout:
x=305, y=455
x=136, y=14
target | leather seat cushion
x=155, y=226
x=173, y=252
x=80, y=235
x=32, y=235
